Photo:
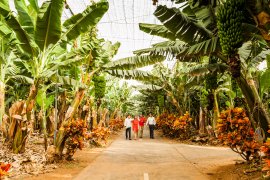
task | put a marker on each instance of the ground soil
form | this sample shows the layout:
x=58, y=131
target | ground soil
x=237, y=172
x=69, y=169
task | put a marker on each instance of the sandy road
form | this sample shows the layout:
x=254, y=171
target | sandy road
x=156, y=159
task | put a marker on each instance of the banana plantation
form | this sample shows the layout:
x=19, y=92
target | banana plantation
x=63, y=88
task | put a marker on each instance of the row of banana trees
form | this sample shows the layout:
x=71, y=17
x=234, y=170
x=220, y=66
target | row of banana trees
x=218, y=46
x=53, y=71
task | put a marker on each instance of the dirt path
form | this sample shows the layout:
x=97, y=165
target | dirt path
x=156, y=159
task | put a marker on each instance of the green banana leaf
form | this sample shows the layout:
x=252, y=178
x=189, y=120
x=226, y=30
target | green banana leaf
x=43, y=101
x=24, y=17
x=133, y=62
x=4, y=31
x=132, y=74
x=5, y=2
x=265, y=81
x=34, y=4
x=82, y=22
x=25, y=40
x=48, y=25
x=157, y=30
x=184, y=27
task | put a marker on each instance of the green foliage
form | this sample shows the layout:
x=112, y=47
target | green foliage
x=184, y=27
x=82, y=22
x=24, y=17
x=48, y=26
x=161, y=100
x=157, y=30
x=43, y=101
x=265, y=81
x=26, y=43
x=134, y=62
x=211, y=78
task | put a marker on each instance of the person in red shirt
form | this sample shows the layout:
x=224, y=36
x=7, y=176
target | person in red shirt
x=141, y=125
x=135, y=127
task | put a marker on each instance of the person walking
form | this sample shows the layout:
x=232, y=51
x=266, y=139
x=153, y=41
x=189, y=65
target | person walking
x=127, y=124
x=141, y=125
x=135, y=127
x=151, y=122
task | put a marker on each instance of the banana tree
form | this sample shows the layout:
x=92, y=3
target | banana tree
x=198, y=37
x=42, y=38
x=9, y=70
x=44, y=103
x=95, y=62
x=116, y=96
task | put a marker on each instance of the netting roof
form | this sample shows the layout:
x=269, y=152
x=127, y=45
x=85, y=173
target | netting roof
x=121, y=22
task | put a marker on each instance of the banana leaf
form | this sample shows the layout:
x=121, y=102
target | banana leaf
x=83, y=22
x=133, y=62
x=48, y=25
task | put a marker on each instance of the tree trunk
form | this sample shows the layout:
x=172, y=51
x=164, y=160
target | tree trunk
x=103, y=117
x=44, y=127
x=175, y=102
x=202, y=129
x=258, y=112
x=62, y=109
x=94, y=115
x=77, y=101
x=18, y=131
x=114, y=113
x=216, y=110
x=30, y=102
x=98, y=110
x=2, y=102
x=61, y=136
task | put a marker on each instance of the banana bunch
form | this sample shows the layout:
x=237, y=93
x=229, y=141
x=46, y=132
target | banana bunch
x=229, y=22
x=100, y=86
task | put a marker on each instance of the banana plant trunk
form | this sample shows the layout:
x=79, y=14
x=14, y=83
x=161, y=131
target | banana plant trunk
x=98, y=110
x=76, y=103
x=30, y=102
x=94, y=116
x=216, y=110
x=103, y=115
x=256, y=107
x=61, y=135
x=44, y=127
x=62, y=109
x=175, y=102
x=18, y=131
x=114, y=113
x=2, y=102
x=202, y=129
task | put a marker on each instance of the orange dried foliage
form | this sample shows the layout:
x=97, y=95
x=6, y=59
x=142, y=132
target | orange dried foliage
x=265, y=148
x=234, y=130
x=99, y=136
x=4, y=168
x=116, y=124
x=76, y=131
x=174, y=126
